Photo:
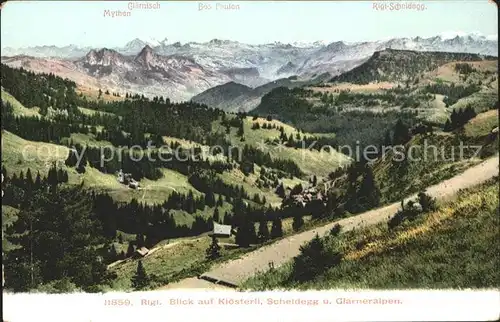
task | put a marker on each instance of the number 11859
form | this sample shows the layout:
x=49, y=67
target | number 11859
x=117, y=302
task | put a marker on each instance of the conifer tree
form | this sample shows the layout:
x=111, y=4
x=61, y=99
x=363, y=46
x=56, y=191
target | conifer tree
x=263, y=234
x=112, y=253
x=216, y=216
x=369, y=193
x=140, y=240
x=213, y=251
x=387, y=138
x=277, y=228
x=130, y=249
x=227, y=219
x=246, y=232
x=63, y=220
x=38, y=181
x=313, y=260
x=29, y=179
x=210, y=199
x=220, y=201
x=298, y=222
x=401, y=133
x=241, y=130
x=280, y=191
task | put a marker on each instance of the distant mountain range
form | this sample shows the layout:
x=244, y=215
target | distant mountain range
x=182, y=71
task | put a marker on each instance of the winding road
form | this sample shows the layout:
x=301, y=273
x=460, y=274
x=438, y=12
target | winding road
x=234, y=272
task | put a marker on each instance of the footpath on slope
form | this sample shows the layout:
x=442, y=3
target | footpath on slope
x=234, y=272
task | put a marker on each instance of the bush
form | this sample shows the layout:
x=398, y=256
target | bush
x=213, y=251
x=335, y=231
x=63, y=285
x=313, y=260
x=427, y=202
x=408, y=212
x=412, y=209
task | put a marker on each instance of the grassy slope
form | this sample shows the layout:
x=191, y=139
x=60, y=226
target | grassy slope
x=454, y=247
x=41, y=155
x=395, y=182
x=237, y=177
x=309, y=161
x=180, y=258
x=19, y=154
x=85, y=140
x=91, y=112
x=481, y=101
x=9, y=216
x=482, y=124
x=175, y=261
x=19, y=109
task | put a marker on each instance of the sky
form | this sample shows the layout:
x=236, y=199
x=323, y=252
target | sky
x=84, y=23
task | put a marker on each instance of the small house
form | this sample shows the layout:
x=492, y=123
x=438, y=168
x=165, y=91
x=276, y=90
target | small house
x=141, y=252
x=221, y=230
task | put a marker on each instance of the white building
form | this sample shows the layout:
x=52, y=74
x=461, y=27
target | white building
x=133, y=184
x=120, y=176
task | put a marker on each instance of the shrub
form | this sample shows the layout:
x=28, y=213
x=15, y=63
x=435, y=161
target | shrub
x=427, y=202
x=335, y=231
x=412, y=209
x=410, y=212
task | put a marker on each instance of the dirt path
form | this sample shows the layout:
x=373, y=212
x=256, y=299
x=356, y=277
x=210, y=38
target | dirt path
x=238, y=270
x=195, y=283
x=151, y=251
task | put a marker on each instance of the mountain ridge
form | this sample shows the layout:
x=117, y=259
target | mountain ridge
x=183, y=71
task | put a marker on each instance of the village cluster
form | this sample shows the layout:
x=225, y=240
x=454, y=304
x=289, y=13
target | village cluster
x=126, y=179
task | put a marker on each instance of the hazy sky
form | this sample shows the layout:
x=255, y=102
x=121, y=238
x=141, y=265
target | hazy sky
x=84, y=23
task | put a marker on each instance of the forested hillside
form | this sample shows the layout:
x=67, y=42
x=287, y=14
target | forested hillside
x=402, y=65
x=363, y=104
x=182, y=189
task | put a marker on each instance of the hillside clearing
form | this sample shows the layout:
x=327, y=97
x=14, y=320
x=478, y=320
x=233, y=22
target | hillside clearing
x=448, y=248
x=309, y=161
x=19, y=108
x=19, y=154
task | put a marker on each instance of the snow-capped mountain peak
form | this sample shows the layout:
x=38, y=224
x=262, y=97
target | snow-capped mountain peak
x=472, y=36
x=187, y=69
